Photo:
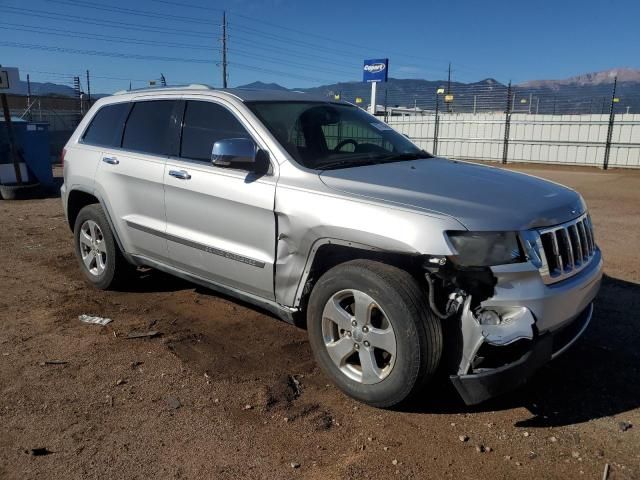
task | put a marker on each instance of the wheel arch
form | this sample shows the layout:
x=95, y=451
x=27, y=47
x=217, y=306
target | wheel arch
x=328, y=252
x=77, y=199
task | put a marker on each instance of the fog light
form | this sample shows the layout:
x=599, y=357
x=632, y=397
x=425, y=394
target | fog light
x=489, y=317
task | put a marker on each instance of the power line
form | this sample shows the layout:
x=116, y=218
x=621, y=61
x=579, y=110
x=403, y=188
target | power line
x=107, y=23
x=188, y=5
x=246, y=54
x=275, y=48
x=48, y=48
x=100, y=37
x=152, y=57
x=134, y=41
x=131, y=11
x=289, y=41
x=324, y=38
x=276, y=72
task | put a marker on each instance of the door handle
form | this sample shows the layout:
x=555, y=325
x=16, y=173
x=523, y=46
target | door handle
x=111, y=160
x=181, y=174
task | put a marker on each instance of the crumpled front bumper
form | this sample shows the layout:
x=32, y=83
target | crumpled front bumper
x=549, y=317
x=478, y=387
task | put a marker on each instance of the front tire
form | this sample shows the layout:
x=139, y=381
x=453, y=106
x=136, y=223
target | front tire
x=99, y=257
x=372, y=332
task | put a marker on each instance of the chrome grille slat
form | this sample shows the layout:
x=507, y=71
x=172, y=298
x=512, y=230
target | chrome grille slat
x=583, y=240
x=566, y=249
x=575, y=244
x=587, y=224
x=556, y=250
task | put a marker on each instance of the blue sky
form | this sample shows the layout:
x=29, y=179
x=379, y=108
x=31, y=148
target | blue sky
x=304, y=43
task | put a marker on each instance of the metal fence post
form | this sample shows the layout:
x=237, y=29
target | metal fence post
x=507, y=125
x=612, y=114
x=436, y=126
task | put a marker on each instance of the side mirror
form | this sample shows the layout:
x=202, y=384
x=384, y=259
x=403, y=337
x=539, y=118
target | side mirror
x=234, y=153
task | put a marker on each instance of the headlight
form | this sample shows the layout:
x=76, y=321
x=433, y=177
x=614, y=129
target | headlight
x=483, y=249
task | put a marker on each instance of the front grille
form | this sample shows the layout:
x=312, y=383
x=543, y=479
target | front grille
x=566, y=249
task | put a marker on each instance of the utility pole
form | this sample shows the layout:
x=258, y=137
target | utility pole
x=88, y=89
x=224, y=49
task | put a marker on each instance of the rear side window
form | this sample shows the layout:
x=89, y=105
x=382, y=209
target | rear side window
x=148, y=128
x=204, y=124
x=105, y=129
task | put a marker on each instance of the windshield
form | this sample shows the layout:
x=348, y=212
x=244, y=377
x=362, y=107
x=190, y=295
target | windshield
x=332, y=135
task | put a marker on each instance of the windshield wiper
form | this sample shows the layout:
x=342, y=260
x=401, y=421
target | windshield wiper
x=344, y=163
x=399, y=157
x=361, y=161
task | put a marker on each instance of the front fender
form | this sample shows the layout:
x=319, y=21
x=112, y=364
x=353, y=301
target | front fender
x=307, y=220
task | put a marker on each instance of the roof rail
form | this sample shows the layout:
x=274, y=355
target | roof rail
x=192, y=86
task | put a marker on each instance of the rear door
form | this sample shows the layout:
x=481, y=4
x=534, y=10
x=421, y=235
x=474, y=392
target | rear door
x=131, y=177
x=103, y=132
x=220, y=221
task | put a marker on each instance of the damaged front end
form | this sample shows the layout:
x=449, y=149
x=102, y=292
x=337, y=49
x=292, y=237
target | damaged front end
x=490, y=315
x=500, y=349
x=488, y=351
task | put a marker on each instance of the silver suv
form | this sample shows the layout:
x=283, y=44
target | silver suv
x=399, y=264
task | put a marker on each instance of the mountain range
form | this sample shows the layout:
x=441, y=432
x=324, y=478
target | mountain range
x=586, y=93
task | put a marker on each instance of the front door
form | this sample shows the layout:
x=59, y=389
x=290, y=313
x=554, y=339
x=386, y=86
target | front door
x=220, y=221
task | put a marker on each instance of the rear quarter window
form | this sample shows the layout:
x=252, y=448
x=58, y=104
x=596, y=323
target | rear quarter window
x=105, y=129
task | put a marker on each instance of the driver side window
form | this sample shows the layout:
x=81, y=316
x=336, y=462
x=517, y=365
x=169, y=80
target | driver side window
x=204, y=124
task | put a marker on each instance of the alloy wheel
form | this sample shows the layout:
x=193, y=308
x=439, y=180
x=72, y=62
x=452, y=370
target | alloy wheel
x=93, y=249
x=358, y=336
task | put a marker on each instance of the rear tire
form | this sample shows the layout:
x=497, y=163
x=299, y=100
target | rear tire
x=100, y=259
x=373, y=333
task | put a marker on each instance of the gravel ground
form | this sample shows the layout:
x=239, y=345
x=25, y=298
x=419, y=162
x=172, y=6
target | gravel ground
x=227, y=391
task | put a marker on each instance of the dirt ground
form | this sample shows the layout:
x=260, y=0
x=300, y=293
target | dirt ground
x=227, y=391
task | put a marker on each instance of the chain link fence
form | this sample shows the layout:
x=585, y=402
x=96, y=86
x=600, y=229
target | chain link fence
x=62, y=115
x=517, y=124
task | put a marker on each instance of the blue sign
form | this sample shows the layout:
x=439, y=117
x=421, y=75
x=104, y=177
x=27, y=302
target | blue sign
x=375, y=70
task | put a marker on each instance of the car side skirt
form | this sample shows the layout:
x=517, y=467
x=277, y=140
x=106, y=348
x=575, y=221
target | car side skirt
x=284, y=313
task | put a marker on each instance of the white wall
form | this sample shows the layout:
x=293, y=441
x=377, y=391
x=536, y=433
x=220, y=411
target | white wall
x=559, y=139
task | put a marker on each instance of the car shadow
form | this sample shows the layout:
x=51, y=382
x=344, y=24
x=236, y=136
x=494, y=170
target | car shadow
x=149, y=280
x=596, y=378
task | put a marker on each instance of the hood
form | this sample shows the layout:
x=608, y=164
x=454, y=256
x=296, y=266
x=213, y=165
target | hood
x=478, y=196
